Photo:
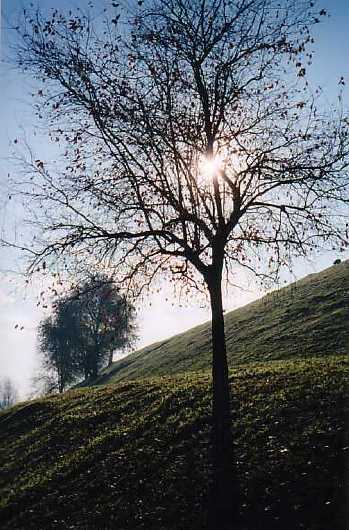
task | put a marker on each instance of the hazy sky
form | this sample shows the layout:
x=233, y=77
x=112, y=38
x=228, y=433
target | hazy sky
x=160, y=319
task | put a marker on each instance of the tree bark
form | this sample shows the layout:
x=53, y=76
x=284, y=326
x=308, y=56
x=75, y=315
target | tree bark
x=94, y=367
x=110, y=360
x=223, y=506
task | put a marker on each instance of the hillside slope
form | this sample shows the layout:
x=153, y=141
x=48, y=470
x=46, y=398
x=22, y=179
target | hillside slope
x=307, y=318
x=133, y=456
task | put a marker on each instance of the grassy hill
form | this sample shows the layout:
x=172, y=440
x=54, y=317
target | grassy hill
x=307, y=318
x=133, y=455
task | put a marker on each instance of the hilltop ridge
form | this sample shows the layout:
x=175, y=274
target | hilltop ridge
x=307, y=318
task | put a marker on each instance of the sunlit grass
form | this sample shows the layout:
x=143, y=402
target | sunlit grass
x=308, y=318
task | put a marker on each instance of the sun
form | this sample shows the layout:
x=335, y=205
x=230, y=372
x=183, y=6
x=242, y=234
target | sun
x=211, y=166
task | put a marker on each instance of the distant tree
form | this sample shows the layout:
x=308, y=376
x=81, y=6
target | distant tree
x=88, y=324
x=193, y=146
x=104, y=320
x=58, y=346
x=8, y=393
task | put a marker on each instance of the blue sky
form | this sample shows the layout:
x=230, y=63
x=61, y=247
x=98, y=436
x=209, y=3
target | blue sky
x=161, y=319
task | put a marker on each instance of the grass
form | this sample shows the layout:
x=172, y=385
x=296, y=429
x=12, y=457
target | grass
x=134, y=455
x=307, y=318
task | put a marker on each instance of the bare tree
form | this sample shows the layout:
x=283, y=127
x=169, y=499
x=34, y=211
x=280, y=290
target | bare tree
x=193, y=147
x=8, y=393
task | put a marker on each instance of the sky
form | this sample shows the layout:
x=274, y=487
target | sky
x=19, y=313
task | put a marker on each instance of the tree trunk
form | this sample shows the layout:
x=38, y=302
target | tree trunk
x=111, y=356
x=94, y=368
x=95, y=359
x=223, y=506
